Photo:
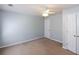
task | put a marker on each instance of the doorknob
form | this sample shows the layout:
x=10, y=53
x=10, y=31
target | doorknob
x=76, y=36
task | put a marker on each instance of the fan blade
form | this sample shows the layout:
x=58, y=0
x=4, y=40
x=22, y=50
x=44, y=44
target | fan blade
x=51, y=12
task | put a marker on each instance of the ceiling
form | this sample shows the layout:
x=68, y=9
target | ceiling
x=35, y=9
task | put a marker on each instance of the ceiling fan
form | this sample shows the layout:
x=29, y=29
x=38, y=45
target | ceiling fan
x=48, y=12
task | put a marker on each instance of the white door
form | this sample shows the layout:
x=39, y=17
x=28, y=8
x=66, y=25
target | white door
x=70, y=31
x=77, y=36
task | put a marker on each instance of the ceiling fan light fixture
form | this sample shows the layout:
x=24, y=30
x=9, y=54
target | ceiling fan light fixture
x=45, y=14
x=52, y=12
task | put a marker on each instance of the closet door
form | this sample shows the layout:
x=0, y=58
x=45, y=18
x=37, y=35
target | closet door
x=77, y=36
x=70, y=31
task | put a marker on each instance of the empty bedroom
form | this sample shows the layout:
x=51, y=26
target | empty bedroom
x=39, y=29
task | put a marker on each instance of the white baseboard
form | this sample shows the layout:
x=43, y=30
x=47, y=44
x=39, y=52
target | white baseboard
x=20, y=42
x=54, y=39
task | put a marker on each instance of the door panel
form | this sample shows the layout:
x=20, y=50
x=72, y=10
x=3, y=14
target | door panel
x=71, y=31
x=77, y=33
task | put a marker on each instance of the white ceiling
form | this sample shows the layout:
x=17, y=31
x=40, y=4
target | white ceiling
x=36, y=9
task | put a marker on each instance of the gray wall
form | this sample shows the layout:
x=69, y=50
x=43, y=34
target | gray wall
x=18, y=27
x=55, y=27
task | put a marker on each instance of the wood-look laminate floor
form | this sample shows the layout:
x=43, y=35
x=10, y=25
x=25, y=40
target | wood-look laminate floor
x=41, y=46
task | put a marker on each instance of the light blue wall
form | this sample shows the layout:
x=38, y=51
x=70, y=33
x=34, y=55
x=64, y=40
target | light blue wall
x=20, y=27
x=55, y=27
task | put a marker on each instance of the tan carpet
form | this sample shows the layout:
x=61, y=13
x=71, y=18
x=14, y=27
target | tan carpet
x=41, y=46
